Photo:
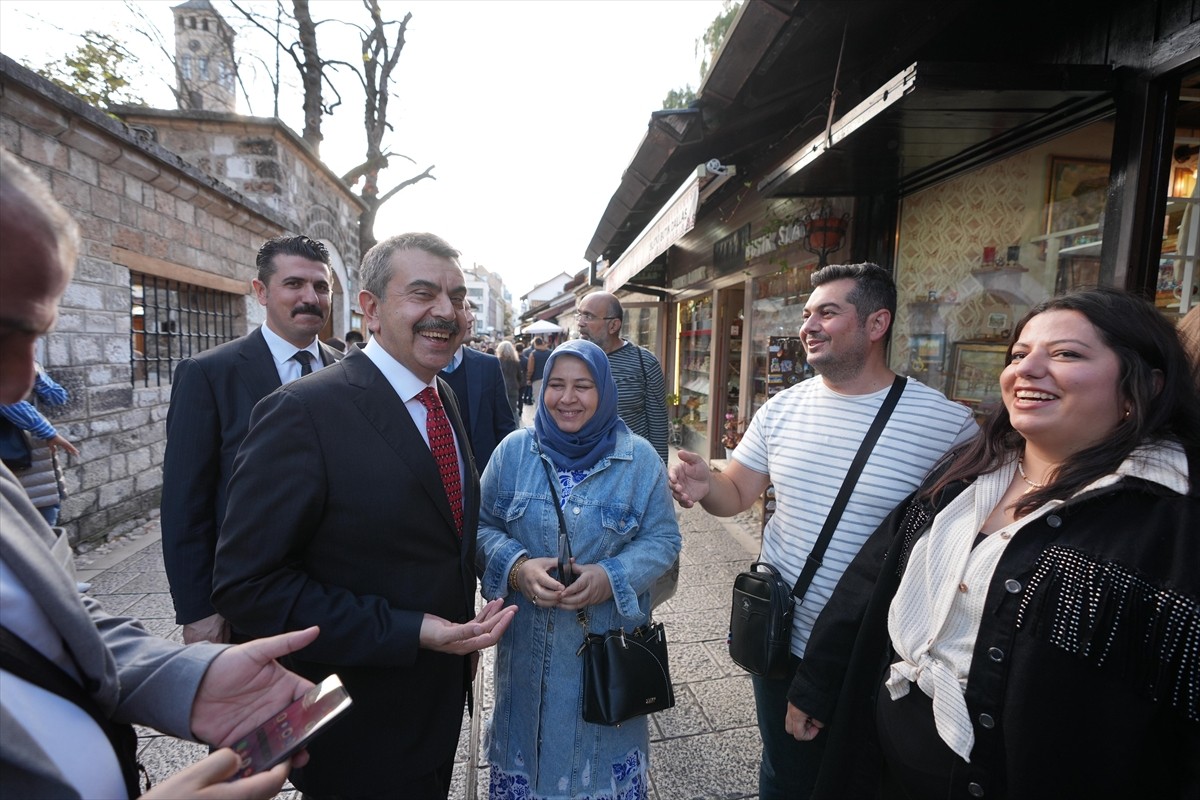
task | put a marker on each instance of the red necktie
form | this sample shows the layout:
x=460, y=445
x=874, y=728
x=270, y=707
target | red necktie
x=441, y=443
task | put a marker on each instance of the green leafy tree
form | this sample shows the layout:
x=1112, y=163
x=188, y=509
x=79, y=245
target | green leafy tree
x=95, y=71
x=710, y=42
x=680, y=98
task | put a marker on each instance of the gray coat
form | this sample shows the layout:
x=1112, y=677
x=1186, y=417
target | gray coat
x=157, y=693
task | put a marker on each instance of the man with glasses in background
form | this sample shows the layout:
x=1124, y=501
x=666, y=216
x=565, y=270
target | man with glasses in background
x=641, y=391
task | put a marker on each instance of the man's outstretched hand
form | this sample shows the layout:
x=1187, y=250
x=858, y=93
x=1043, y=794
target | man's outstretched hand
x=460, y=639
x=690, y=479
x=245, y=686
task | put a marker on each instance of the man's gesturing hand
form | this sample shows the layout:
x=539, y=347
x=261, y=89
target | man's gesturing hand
x=459, y=639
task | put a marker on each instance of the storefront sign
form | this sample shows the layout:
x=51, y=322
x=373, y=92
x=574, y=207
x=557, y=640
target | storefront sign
x=698, y=275
x=788, y=233
x=729, y=253
x=675, y=219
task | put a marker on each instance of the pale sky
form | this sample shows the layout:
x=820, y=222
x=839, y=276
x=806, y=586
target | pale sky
x=530, y=109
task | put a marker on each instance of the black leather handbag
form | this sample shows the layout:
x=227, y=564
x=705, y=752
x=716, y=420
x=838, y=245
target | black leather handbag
x=625, y=675
x=760, y=624
x=760, y=621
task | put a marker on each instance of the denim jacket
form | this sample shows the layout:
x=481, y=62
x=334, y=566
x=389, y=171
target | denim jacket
x=621, y=517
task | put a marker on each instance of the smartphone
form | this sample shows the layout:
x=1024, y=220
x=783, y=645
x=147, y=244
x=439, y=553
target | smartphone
x=565, y=574
x=288, y=731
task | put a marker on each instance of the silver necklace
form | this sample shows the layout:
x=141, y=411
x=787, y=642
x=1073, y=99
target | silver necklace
x=1024, y=477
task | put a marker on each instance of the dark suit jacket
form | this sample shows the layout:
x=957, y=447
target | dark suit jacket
x=486, y=409
x=212, y=395
x=338, y=518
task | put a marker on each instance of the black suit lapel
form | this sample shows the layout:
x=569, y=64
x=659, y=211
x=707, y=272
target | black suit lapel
x=471, y=489
x=474, y=381
x=457, y=381
x=329, y=355
x=256, y=367
x=384, y=409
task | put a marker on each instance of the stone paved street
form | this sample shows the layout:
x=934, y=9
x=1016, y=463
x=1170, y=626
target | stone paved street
x=705, y=747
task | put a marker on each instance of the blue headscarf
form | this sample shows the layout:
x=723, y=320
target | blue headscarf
x=598, y=436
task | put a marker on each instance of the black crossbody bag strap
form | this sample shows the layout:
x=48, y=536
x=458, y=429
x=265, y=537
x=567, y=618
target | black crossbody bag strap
x=562, y=522
x=564, y=539
x=642, y=366
x=813, y=562
x=26, y=662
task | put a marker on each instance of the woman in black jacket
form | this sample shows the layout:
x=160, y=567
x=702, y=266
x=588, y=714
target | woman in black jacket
x=1027, y=625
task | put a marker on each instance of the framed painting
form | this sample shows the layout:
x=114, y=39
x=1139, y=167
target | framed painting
x=927, y=349
x=975, y=372
x=1075, y=196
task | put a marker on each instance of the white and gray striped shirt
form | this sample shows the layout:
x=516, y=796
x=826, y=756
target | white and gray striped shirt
x=805, y=438
x=641, y=394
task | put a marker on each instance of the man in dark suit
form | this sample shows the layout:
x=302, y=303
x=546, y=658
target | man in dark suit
x=482, y=396
x=367, y=524
x=212, y=396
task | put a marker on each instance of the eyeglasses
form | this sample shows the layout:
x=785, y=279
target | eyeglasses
x=585, y=316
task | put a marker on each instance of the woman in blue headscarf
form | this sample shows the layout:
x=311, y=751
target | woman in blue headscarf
x=612, y=490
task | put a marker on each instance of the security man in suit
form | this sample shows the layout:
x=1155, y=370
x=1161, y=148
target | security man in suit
x=212, y=395
x=370, y=533
x=482, y=396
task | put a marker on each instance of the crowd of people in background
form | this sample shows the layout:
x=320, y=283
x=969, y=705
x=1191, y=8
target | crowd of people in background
x=1005, y=609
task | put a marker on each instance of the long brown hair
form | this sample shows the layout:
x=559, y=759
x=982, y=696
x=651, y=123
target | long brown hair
x=1147, y=346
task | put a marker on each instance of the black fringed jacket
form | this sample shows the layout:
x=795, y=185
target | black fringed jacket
x=1085, y=678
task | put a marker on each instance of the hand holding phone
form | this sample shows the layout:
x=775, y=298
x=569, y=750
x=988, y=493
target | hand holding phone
x=565, y=574
x=283, y=735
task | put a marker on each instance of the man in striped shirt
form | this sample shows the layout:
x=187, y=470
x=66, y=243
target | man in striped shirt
x=641, y=391
x=803, y=441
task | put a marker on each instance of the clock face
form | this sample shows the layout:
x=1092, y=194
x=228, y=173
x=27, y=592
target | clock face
x=194, y=45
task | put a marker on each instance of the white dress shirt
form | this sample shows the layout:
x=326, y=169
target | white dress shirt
x=283, y=350
x=408, y=386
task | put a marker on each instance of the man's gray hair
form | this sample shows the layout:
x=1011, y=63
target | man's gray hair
x=377, y=270
x=26, y=202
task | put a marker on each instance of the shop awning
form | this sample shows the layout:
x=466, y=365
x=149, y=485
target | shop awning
x=935, y=119
x=676, y=218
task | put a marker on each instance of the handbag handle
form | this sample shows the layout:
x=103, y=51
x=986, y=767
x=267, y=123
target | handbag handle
x=813, y=562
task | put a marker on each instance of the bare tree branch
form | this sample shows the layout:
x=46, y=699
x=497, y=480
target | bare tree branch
x=405, y=184
x=352, y=177
x=251, y=17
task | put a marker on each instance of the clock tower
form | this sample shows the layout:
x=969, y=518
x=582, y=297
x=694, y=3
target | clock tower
x=204, y=65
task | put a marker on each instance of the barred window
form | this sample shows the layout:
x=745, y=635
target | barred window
x=170, y=321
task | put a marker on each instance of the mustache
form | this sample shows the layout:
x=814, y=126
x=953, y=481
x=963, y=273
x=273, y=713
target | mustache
x=443, y=325
x=308, y=308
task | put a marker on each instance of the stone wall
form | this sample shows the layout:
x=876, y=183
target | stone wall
x=140, y=207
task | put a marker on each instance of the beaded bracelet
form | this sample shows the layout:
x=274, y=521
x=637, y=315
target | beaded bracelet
x=512, y=575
